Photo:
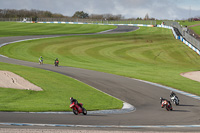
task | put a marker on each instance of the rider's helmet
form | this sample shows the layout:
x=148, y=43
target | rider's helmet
x=71, y=98
x=161, y=98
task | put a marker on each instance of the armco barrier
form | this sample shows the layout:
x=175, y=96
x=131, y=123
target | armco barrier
x=180, y=38
x=57, y=22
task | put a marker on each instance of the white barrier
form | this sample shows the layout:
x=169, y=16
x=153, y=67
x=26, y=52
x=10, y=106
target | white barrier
x=58, y=22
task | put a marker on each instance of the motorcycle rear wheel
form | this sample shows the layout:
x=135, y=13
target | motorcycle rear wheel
x=84, y=111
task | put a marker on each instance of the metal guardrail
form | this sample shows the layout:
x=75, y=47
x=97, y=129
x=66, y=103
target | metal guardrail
x=185, y=33
x=16, y=19
x=10, y=19
x=103, y=21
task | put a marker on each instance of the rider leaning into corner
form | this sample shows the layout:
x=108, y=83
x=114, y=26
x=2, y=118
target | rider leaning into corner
x=162, y=99
x=72, y=100
x=41, y=59
x=56, y=62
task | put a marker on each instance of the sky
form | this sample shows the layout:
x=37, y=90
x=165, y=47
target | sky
x=159, y=9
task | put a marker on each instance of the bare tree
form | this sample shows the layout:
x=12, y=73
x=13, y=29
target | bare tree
x=146, y=17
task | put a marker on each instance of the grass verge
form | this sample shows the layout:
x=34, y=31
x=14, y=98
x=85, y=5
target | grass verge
x=25, y=29
x=57, y=89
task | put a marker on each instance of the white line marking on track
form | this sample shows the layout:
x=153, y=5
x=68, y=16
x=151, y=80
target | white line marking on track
x=102, y=126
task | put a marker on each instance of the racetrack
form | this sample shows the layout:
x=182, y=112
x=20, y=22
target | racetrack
x=143, y=96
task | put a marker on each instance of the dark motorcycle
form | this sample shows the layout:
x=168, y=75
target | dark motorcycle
x=56, y=63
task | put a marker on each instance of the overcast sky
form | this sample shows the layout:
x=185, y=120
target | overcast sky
x=159, y=9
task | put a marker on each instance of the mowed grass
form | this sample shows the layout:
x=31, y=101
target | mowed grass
x=25, y=29
x=57, y=89
x=188, y=23
x=151, y=54
x=196, y=29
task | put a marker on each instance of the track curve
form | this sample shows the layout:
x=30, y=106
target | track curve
x=144, y=96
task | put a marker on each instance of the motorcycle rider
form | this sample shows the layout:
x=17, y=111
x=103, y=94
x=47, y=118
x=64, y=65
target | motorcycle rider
x=72, y=100
x=56, y=60
x=174, y=98
x=162, y=99
x=41, y=60
x=172, y=94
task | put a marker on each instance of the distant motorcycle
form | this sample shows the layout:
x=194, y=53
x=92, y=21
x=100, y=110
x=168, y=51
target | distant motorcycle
x=166, y=104
x=56, y=63
x=175, y=100
x=40, y=62
x=77, y=109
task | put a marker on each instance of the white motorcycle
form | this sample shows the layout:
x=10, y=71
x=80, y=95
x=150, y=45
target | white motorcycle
x=175, y=99
x=40, y=62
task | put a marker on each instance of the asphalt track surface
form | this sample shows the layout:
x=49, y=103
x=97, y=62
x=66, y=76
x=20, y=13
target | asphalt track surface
x=143, y=96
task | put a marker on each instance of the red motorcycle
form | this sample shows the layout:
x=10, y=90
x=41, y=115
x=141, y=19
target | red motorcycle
x=56, y=63
x=166, y=104
x=77, y=109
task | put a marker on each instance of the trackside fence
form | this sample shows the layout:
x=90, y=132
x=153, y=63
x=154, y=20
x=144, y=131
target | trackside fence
x=185, y=34
x=16, y=19
x=103, y=21
x=78, y=20
x=180, y=37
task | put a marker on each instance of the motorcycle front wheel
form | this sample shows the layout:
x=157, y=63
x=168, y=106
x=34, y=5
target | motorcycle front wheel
x=75, y=112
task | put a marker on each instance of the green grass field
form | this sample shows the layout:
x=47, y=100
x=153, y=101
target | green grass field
x=151, y=54
x=188, y=23
x=196, y=29
x=25, y=29
x=57, y=89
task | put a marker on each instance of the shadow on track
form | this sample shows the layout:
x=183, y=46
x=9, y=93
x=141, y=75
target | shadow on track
x=181, y=110
x=187, y=105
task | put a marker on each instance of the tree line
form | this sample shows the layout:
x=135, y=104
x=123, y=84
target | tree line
x=81, y=14
x=23, y=13
x=34, y=14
